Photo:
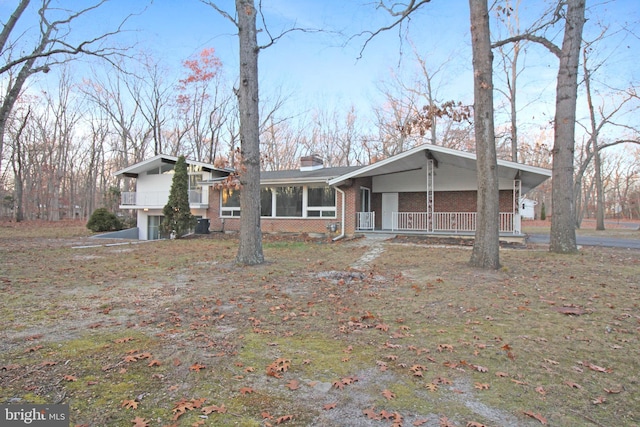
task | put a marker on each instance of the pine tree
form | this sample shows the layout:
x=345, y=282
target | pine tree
x=177, y=215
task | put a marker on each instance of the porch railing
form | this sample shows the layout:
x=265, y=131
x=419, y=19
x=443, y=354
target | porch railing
x=155, y=198
x=451, y=222
x=365, y=220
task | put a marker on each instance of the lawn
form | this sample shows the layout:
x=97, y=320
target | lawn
x=174, y=333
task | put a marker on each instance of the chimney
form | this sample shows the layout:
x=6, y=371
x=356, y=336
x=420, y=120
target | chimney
x=310, y=163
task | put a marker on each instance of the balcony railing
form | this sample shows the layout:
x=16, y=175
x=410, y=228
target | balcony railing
x=155, y=198
x=451, y=222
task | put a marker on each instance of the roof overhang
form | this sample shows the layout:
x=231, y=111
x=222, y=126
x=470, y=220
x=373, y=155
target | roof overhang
x=416, y=158
x=136, y=169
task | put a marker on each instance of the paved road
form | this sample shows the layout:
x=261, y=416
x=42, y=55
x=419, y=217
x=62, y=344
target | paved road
x=592, y=241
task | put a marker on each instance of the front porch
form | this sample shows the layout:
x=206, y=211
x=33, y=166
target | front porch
x=438, y=224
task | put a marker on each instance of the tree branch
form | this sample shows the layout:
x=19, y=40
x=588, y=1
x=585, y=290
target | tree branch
x=400, y=14
x=530, y=37
x=220, y=11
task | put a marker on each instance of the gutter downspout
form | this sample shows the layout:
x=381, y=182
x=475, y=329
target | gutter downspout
x=343, y=216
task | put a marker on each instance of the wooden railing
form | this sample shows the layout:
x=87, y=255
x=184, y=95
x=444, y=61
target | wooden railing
x=451, y=222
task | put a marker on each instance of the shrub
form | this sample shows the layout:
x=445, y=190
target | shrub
x=103, y=220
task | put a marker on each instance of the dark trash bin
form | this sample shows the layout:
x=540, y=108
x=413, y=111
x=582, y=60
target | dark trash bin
x=202, y=227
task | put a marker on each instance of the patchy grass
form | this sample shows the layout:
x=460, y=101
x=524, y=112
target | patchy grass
x=175, y=333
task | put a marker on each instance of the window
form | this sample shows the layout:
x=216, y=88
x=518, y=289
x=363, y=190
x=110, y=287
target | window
x=289, y=201
x=321, y=202
x=285, y=202
x=229, y=202
x=266, y=202
x=164, y=168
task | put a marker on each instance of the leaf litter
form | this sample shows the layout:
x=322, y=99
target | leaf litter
x=428, y=338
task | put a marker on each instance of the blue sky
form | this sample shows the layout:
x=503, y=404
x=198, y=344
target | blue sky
x=322, y=68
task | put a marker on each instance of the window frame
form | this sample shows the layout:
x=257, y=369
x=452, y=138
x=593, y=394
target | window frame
x=229, y=211
x=324, y=212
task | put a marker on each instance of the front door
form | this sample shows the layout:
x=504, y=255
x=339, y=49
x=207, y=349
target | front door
x=389, y=207
x=153, y=227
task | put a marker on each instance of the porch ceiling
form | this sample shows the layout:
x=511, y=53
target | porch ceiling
x=417, y=157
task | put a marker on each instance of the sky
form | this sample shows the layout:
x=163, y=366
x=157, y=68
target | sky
x=330, y=67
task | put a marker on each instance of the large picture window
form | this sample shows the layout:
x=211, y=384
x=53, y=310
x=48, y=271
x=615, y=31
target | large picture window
x=285, y=202
x=289, y=201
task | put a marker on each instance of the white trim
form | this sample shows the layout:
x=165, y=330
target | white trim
x=436, y=149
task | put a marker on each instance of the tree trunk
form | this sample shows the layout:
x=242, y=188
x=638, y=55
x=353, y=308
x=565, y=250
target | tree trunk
x=596, y=153
x=250, y=247
x=486, y=248
x=563, y=233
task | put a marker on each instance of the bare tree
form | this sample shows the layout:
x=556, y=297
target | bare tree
x=486, y=247
x=51, y=48
x=563, y=233
x=250, y=245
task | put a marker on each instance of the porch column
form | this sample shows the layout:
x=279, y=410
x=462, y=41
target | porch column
x=517, y=222
x=430, y=195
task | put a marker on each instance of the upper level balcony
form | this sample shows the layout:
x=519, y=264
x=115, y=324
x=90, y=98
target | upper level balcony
x=157, y=199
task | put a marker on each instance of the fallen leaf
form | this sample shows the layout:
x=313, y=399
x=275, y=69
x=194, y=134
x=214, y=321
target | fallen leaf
x=501, y=374
x=154, y=362
x=481, y=386
x=599, y=400
x=388, y=394
x=614, y=390
x=420, y=422
x=432, y=387
x=573, y=385
x=284, y=418
x=570, y=310
x=246, y=390
x=130, y=404
x=70, y=378
x=382, y=327
x=140, y=422
x=197, y=367
x=293, y=385
x=538, y=417
x=371, y=414
x=214, y=408
x=329, y=406
x=475, y=424
x=541, y=390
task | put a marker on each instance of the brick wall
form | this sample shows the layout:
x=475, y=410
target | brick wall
x=465, y=201
x=291, y=225
x=450, y=201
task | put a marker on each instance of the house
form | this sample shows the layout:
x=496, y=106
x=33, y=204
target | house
x=427, y=189
x=153, y=183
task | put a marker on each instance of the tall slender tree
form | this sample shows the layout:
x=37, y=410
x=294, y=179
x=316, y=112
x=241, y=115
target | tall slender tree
x=178, y=219
x=486, y=247
x=563, y=229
